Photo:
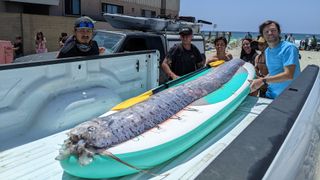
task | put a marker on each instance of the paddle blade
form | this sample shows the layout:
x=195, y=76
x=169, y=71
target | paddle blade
x=132, y=101
x=216, y=63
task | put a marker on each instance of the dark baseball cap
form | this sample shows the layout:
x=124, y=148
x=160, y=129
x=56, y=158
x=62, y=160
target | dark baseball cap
x=185, y=31
x=84, y=22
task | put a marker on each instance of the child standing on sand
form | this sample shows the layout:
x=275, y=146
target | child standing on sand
x=40, y=41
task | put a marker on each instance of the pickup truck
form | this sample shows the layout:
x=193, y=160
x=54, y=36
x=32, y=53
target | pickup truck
x=130, y=41
x=262, y=139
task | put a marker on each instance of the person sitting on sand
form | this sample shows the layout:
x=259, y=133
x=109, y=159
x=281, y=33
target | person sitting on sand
x=220, y=44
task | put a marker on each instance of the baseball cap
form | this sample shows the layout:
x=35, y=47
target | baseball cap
x=185, y=31
x=84, y=22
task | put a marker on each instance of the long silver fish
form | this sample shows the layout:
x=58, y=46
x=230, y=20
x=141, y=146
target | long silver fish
x=91, y=137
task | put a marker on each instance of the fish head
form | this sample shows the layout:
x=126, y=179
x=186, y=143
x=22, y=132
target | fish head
x=85, y=140
x=91, y=134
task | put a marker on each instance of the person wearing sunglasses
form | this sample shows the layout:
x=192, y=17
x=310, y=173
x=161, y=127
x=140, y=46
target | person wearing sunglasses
x=182, y=58
x=81, y=43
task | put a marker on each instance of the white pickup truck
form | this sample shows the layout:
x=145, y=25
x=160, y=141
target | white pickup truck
x=262, y=139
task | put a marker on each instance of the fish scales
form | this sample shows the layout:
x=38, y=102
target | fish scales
x=105, y=132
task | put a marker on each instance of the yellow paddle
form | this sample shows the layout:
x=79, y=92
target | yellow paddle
x=132, y=101
x=216, y=63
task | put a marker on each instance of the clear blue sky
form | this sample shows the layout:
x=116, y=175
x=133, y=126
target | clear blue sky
x=295, y=16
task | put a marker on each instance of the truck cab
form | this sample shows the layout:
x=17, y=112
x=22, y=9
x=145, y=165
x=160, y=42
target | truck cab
x=130, y=41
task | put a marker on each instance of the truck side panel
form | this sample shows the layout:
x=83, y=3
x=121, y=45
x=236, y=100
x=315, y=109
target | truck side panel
x=39, y=99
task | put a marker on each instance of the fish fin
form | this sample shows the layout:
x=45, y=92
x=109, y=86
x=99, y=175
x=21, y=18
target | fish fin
x=191, y=109
x=176, y=117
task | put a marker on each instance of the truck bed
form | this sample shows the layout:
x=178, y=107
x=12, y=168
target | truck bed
x=38, y=99
x=261, y=139
x=36, y=160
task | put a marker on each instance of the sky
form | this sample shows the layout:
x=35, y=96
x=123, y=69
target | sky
x=294, y=16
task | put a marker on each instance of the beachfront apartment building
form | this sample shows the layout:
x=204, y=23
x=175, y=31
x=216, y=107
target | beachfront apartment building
x=92, y=8
x=26, y=17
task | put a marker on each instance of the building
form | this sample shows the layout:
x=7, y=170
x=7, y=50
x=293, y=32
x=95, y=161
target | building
x=26, y=17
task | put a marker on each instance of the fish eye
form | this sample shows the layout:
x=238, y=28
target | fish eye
x=91, y=128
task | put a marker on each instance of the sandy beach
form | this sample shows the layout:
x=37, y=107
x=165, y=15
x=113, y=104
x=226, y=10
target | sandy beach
x=307, y=57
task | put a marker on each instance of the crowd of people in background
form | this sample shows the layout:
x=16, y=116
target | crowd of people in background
x=78, y=44
x=309, y=43
x=40, y=44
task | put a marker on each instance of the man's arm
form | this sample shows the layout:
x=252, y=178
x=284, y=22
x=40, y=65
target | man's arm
x=211, y=59
x=229, y=55
x=256, y=67
x=201, y=58
x=290, y=63
x=202, y=62
x=166, y=68
x=287, y=74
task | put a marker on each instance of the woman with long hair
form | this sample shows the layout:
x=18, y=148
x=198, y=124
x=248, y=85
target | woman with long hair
x=248, y=53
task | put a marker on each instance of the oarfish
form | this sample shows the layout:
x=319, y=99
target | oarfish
x=89, y=138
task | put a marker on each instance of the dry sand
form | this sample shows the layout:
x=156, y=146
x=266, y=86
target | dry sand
x=307, y=57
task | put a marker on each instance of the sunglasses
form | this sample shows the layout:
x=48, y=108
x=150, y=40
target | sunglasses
x=85, y=25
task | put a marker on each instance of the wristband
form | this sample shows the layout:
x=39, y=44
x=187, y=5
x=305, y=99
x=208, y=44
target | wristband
x=264, y=81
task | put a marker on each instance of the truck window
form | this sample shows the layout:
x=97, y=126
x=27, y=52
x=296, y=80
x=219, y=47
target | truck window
x=108, y=40
x=135, y=44
x=155, y=42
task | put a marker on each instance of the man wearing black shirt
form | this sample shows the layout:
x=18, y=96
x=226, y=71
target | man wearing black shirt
x=182, y=58
x=81, y=43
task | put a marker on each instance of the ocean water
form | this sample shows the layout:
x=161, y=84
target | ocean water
x=240, y=35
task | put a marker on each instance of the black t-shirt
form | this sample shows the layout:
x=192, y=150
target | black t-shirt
x=70, y=49
x=249, y=57
x=184, y=61
x=18, y=52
